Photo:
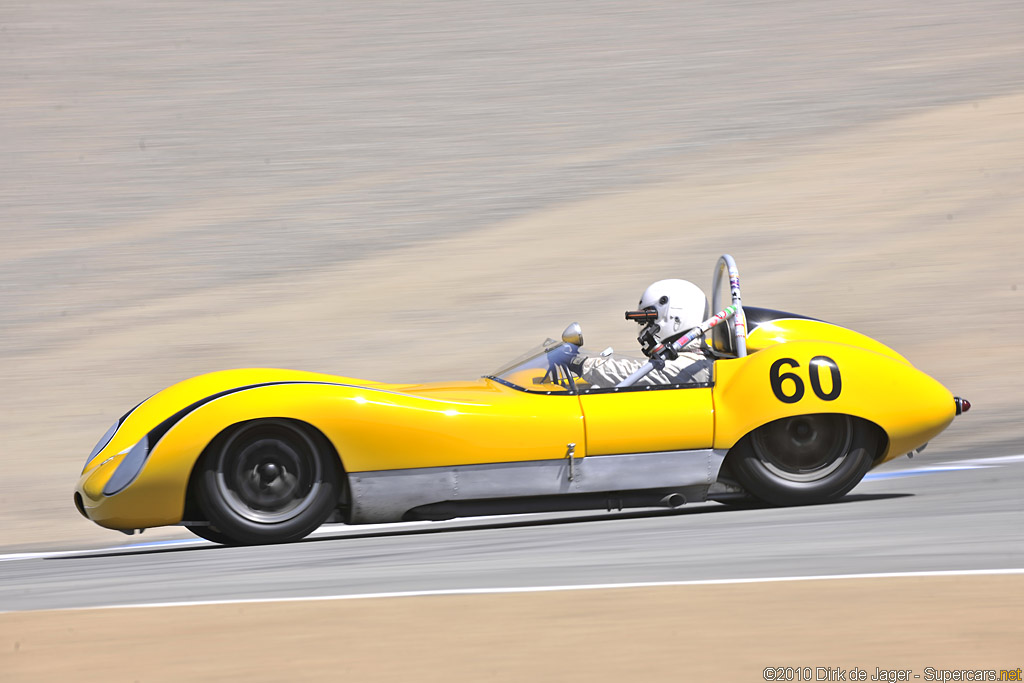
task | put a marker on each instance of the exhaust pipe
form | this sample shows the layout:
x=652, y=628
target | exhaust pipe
x=673, y=500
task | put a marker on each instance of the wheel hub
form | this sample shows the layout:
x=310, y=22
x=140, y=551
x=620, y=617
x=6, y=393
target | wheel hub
x=804, y=448
x=269, y=473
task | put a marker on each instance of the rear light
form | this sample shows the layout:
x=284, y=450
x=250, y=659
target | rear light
x=962, y=405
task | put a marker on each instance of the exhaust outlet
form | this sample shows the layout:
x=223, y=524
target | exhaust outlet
x=673, y=500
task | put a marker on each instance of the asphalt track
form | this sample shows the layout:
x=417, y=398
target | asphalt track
x=954, y=512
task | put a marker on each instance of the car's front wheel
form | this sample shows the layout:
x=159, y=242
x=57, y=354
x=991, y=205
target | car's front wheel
x=805, y=459
x=267, y=481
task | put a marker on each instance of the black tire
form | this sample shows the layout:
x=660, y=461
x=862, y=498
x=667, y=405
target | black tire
x=805, y=459
x=266, y=481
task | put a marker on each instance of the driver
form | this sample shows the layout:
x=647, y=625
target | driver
x=668, y=309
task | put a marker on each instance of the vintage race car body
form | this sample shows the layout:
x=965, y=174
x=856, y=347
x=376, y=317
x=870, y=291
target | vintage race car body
x=262, y=455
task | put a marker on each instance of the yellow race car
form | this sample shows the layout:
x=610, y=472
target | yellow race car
x=795, y=411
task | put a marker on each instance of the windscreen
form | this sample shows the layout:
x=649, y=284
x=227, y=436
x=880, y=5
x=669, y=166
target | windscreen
x=540, y=369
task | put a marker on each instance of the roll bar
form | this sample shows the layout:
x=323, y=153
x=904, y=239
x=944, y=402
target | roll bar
x=739, y=322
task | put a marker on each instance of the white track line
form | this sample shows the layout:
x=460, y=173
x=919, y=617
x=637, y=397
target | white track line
x=551, y=589
x=196, y=542
x=998, y=460
x=99, y=551
x=952, y=466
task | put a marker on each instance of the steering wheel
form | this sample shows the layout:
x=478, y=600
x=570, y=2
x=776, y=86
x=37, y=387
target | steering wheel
x=558, y=360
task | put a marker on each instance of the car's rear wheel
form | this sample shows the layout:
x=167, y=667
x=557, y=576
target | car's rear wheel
x=805, y=459
x=266, y=481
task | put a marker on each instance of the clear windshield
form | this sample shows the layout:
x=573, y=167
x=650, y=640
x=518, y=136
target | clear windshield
x=542, y=369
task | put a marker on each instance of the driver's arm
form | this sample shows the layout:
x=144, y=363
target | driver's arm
x=604, y=372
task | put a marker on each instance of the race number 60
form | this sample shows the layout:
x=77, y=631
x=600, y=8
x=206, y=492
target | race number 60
x=788, y=387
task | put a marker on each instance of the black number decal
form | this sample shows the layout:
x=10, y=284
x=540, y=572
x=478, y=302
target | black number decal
x=815, y=371
x=776, y=377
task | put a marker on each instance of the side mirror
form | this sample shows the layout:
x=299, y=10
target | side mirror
x=573, y=334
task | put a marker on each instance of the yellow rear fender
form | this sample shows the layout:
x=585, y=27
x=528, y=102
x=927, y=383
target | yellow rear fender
x=813, y=377
x=766, y=333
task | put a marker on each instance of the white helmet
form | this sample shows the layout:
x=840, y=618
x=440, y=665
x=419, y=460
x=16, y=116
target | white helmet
x=680, y=306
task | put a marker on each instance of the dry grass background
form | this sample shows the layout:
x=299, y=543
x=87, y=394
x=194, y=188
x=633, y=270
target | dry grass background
x=907, y=230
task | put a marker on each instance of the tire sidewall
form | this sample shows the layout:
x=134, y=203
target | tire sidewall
x=227, y=523
x=765, y=485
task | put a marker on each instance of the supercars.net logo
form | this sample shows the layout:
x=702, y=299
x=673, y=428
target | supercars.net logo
x=828, y=673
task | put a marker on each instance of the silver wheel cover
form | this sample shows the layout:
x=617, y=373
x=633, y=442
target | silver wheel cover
x=804, y=448
x=269, y=472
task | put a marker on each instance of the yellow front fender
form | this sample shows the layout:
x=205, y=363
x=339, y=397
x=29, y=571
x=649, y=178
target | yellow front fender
x=372, y=428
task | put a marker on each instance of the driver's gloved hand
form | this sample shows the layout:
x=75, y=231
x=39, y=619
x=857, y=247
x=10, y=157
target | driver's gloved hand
x=562, y=355
x=668, y=353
